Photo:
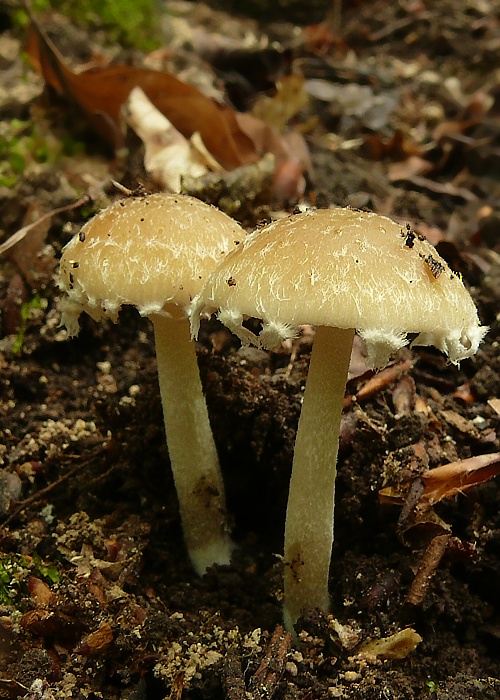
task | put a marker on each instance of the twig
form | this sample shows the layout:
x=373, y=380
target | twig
x=22, y=232
x=430, y=561
x=40, y=495
x=233, y=680
x=266, y=678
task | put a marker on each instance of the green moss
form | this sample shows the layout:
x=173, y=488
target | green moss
x=46, y=571
x=15, y=569
x=23, y=145
x=132, y=23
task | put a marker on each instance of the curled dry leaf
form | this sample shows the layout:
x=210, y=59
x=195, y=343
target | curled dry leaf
x=278, y=109
x=396, y=646
x=96, y=642
x=495, y=405
x=40, y=593
x=448, y=480
x=101, y=93
x=214, y=131
x=168, y=155
x=442, y=482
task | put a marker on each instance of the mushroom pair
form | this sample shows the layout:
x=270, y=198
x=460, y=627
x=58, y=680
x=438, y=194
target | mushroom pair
x=154, y=252
x=341, y=271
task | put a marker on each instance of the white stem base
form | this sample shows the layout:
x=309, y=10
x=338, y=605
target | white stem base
x=309, y=518
x=191, y=446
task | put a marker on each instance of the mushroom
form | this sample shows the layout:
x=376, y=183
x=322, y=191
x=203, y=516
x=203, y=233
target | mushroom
x=342, y=271
x=154, y=252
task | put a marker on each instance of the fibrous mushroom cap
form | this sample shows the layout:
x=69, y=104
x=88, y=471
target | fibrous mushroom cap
x=349, y=269
x=152, y=252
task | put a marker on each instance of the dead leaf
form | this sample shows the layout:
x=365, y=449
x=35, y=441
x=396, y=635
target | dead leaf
x=397, y=147
x=40, y=593
x=290, y=97
x=397, y=646
x=495, y=405
x=45, y=623
x=403, y=170
x=96, y=642
x=379, y=381
x=355, y=104
x=101, y=93
x=448, y=480
x=168, y=155
x=290, y=151
x=382, y=379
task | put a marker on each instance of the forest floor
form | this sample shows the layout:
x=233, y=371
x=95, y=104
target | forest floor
x=97, y=595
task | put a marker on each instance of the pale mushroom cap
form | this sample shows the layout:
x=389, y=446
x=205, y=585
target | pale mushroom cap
x=349, y=269
x=153, y=252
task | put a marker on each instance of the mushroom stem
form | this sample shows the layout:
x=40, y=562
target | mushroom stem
x=191, y=447
x=309, y=517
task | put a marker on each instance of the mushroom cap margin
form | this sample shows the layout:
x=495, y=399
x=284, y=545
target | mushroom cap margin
x=153, y=252
x=344, y=268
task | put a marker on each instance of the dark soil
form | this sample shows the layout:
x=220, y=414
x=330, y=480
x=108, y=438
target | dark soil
x=97, y=596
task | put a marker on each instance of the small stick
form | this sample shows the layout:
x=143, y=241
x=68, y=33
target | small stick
x=264, y=682
x=233, y=680
x=39, y=495
x=430, y=561
x=22, y=232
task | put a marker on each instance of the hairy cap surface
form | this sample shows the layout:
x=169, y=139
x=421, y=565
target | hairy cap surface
x=349, y=269
x=153, y=252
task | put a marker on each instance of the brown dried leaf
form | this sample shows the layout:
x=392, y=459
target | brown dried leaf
x=168, y=155
x=448, y=480
x=19, y=235
x=96, y=642
x=464, y=426
x=101, y=92
x=40, y=593
x=382, y=379
x=45, y=623
x=290, y=151
x=399, y=146
x=495, y=405
x=452, y=127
